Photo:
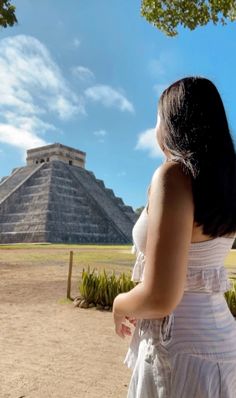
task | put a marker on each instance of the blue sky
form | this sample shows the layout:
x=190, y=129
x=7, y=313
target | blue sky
x=88, y=74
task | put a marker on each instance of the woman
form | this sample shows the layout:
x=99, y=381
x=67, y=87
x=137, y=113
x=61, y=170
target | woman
x=184, y=343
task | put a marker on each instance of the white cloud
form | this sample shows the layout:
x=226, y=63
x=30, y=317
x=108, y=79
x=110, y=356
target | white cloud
x=109, y=97
x=147, y=142
x=29, y=123
x=32, y=86
x=83, y=73
x=100, y=133
x=30, y=77
x=20, y=138
x=65, y=108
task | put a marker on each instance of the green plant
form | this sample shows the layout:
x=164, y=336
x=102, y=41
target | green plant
x=100, y=289
x=7, y=13
x=168, y=15
x=230, y=297
x=89, y=286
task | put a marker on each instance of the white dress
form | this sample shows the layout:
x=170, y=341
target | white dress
x=191, y=353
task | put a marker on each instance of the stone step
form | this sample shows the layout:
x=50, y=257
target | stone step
x=43, y=205
x=71, y=227
x=104, y=200
x=59, y=174
x=27, y=197
x=101, y=183
x=62, y=181
x=35, y=189
x=42, y=215
x=51, y=214
x=38, y=180
x=23, y=237
x=63, y=189
x=22, y=227
x=85, y=238
x=110, y=192
x=26, y=207
x=67, y=195
x=57, y=189
x=14, y=180
x=44, y=172
x=31, y=196
x=24, y=217
x=119, y=201
x=34, y=197
x=46, y=236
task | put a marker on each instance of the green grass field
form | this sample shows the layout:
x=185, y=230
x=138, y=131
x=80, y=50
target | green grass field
x=230, y=261
x=110, y=257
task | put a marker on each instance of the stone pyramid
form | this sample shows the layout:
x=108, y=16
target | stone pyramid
x=55, y=199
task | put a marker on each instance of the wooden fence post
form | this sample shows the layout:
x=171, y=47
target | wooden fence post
x=69, y=275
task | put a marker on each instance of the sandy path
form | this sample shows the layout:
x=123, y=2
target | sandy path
x=50, y=349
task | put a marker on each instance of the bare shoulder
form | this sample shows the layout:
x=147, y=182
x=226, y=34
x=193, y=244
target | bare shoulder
x=170, y=176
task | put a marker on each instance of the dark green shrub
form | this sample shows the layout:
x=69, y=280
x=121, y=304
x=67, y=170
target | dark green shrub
x=230, y=297
x=100, y=289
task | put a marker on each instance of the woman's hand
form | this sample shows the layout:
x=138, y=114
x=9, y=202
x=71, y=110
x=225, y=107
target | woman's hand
x=132, y=320
x=120, y=327
x=120, y=320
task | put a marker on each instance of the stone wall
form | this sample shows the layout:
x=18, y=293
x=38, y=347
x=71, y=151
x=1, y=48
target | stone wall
x=56, y=151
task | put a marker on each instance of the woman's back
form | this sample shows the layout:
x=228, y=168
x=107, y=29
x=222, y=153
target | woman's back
x=205, y=259
x=184, y=341
x=194, y=346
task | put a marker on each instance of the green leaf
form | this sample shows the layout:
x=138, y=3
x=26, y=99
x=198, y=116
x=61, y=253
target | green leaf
x=168, y=15
x=101, y=288
x=7, y=14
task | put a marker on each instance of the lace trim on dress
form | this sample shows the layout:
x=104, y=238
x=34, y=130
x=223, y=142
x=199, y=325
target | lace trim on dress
x=198, y=278
x=208, y=279
x=138, y=268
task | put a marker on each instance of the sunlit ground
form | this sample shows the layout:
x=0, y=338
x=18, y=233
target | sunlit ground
x=48, y=347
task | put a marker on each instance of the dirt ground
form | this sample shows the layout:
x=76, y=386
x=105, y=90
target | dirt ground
x=51, y=349
x=48, y=348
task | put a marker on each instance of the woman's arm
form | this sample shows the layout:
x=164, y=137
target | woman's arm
x=170, y=223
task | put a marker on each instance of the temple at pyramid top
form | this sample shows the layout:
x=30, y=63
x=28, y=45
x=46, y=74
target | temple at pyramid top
x=56, y=151
x=55, y=199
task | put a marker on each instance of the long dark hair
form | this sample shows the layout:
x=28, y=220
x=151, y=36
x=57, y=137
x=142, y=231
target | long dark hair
x=194, y=129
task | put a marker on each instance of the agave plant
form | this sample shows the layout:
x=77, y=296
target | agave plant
x=100, y=289
x=230, y=297
x=89, y=285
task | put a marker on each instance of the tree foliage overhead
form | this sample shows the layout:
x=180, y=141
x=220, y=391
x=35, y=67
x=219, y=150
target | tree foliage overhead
x=167, y=15
x=7, y=13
